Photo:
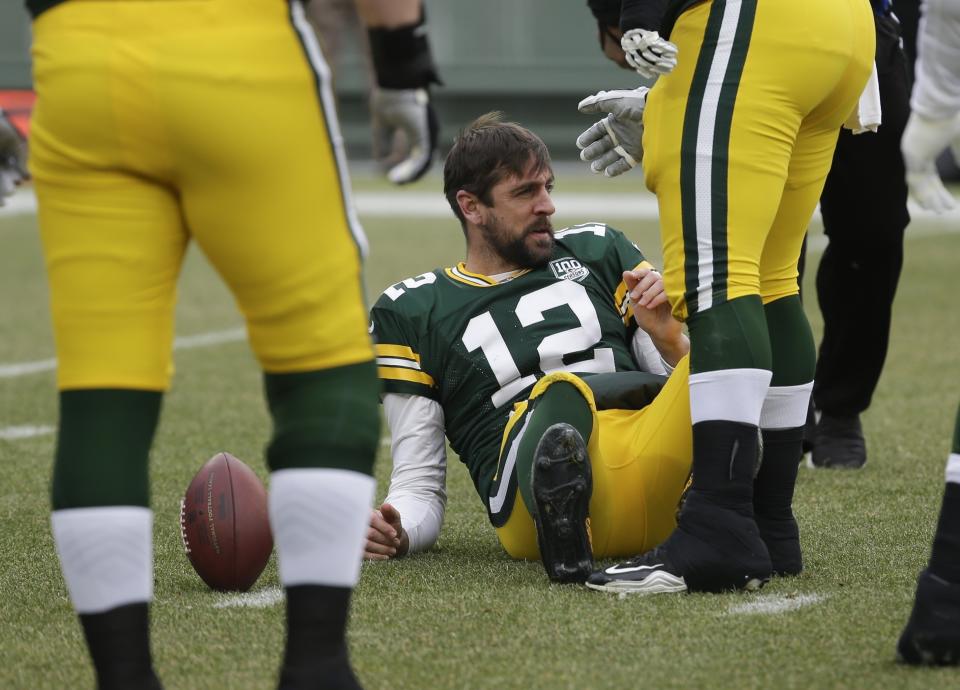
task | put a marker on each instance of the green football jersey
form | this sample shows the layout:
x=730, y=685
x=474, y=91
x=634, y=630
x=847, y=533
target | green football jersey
x=477, y=346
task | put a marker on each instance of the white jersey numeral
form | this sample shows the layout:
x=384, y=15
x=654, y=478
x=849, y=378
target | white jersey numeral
x=395, y=292
x=481, y=333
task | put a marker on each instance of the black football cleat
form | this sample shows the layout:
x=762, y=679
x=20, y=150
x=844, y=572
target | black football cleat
x=713, y=549
x=561, y=484
x=932, y=635
x=838, y=443
x=650, y=573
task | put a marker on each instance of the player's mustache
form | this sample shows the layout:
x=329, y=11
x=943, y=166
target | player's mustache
x=543, y=225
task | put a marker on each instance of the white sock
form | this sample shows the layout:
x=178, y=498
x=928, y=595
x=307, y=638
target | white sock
x=106, y=555
x=785, y=407
x=319, y=519
x=953, y=468
x=732, y=395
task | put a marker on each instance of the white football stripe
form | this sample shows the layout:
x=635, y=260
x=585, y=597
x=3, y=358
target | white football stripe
x=395, y=362
x=775, y=604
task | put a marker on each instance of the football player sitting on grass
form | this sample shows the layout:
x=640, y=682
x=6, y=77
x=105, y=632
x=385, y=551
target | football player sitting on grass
x=551, y=362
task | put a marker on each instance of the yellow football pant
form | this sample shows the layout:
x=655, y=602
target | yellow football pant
x=164, y=121
x=640, y=461
x=739, y=138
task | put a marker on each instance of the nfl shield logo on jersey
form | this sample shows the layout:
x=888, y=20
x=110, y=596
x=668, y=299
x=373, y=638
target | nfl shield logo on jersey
x=568, y=268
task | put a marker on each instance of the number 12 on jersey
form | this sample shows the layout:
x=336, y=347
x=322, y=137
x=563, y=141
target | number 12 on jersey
x=482, y=334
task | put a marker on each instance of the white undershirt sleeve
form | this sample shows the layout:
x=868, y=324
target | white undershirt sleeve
x=647, y=355
x=418, y=480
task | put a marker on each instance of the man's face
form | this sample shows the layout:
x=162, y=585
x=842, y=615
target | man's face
x=516, y=226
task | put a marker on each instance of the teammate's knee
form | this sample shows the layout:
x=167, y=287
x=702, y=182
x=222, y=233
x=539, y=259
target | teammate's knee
x=103, y=445
x=730, y=335
x=324, y=418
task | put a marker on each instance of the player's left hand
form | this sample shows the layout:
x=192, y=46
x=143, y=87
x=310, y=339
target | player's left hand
x=411, y=112
x=648, y=53
x=13, y=158
x=651, y=308
x=614, y=145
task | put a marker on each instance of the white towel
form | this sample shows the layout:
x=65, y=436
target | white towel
x=866, y=116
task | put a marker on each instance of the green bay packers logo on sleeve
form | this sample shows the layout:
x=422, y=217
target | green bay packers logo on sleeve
x=569, y=268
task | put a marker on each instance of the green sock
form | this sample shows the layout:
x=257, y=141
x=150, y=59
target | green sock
x=560, y=402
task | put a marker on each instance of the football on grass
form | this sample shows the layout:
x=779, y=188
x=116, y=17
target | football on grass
x=224, y=524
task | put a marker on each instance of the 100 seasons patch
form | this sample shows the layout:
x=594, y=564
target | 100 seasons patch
x=568, y=268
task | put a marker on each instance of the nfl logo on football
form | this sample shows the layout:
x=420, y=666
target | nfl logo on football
x=568, y=268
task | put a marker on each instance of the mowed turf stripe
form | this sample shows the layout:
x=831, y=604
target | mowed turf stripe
x=258, y=599
x=13, y=433
x=771, y=606
x=188, y=342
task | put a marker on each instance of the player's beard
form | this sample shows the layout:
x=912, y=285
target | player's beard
x=526, y=250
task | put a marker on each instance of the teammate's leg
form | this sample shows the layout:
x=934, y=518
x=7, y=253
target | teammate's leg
x=113, y=246
x=932, y=634
x=273, y=216
x=791, y=342
x=113, y=243
x=729, y=159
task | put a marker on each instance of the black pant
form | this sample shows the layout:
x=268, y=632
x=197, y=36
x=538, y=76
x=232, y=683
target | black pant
x=864, y=207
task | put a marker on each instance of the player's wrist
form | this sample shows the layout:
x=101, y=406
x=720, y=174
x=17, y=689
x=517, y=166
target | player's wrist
x=402, y=57
x=671, y=343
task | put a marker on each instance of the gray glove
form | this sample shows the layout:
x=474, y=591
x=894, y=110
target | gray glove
x=13, y=158
x=410, y=112
x=614, y=145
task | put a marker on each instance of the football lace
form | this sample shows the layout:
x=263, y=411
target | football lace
x=183, y=525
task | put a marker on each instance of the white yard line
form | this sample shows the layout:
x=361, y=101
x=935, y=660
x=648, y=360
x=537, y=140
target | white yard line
x=187, y=342
x=773, y=605
x=12, y=433
x=259, y=599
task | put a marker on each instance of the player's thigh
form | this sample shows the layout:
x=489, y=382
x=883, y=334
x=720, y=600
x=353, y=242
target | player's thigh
x=113, y=246
x=113, y=241
x=266, y=195
x=643, y=467
x=809, y=166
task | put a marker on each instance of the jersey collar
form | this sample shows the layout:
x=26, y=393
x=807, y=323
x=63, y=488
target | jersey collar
x=460, y=274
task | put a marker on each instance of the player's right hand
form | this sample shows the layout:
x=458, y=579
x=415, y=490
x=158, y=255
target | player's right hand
x=386, y=537
x=411, y=112
x=648, y=53
x=13, y=158
x=923, y=140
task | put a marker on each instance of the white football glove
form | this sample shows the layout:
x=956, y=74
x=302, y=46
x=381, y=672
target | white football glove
x=649, y=54
x=13, y=160
x=614, y=145
x=409, y=111
x=923, y=140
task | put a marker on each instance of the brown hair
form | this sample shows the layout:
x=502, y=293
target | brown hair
x=484, y=153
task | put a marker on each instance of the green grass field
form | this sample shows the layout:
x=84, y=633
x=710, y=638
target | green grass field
x=464, y=615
